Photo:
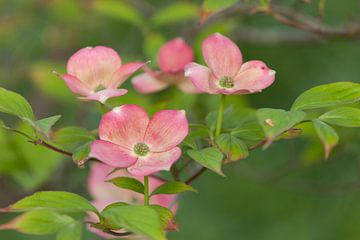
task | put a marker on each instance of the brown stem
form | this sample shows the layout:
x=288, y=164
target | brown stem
x=196, y=175
x=49, y=146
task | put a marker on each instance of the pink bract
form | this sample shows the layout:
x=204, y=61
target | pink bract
x=226, y=73
x=130, y=139
x=172, y=58
x=105, y=193
x=93, y=68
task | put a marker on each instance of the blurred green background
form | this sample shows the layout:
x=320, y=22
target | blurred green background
x=285, y=192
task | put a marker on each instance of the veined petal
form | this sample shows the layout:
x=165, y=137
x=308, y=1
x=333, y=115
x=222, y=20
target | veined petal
x=103, y=95
x=254, y=76
x=145, y=83
x=123, y=73
x=124, y=125
x=75, y=85
x=221, y=55
x=174, y=55
x=112, y=154
x=154, y=162
x=166, y=129
x=94, y=66
x=200, y=76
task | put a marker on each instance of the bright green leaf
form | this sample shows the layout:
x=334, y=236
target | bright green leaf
x=210, y=158
x=176, y=12
x=173, y=188
x=15, y=104
x=128, y=183
x=142, y=220
x=119, y=9
x=276, y=121
x=344, y=116
x=166, y=216
x=39, y=222
x=52, y=200
x=327, y=134
x=81, y=154
x=234, y=148
x=70, y=232
x=328, y=95
x=249, y=130
x=72, y=137
x=45, y=124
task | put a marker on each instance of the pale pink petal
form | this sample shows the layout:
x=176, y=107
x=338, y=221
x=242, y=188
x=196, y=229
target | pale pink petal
x=154, y=162
x=103, y=95
x=187, y=86
x=200, y=76
x=145, y=83
x=166, y=129
x=253, y=76
x=123, y=73
x=94, y=66
x=124, y=125
x=221, y=55
x=174, y=55
x=112, y=154
x=75, y=85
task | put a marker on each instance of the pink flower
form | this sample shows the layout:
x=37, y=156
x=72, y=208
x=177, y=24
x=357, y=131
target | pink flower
x=90, y=69
x=129, y=139
x=172, y=58
x=226, y=74
x=105, y=193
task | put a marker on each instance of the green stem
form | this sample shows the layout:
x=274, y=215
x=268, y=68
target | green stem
x=220, y=115
x=146, y=191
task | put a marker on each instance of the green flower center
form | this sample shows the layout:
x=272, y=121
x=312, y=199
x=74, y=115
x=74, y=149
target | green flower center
x=226, y=82
x=141, y=149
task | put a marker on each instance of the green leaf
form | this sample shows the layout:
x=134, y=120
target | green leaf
x=81, y=154
x=45, y=124
x=119, y=10
x=327, y=134
x=276, y=121
x=52, y=200
x=328, y=95
x=344, y=116
x=70, y=232
x=234, y=148
x=38, y=223
x=72, y=137
x=210, y=158
x=176, y=12
x=166, y=217
x=173, y=188
x=217, y=5
x=15, y=104
x=142, y=220
x=128, y=183
x=249, y=130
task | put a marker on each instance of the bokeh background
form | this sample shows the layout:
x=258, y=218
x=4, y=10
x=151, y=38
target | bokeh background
x=285, y=192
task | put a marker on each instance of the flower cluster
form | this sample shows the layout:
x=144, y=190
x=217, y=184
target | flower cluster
x=129, y=139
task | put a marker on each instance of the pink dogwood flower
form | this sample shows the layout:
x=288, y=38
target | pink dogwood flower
x=172, y=58
x=96, y=73
x=226, y=73
x=129, y=139
x=105, y=193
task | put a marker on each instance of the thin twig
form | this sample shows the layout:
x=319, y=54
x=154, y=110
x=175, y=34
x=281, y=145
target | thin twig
x=49, y=146
x=196, y=175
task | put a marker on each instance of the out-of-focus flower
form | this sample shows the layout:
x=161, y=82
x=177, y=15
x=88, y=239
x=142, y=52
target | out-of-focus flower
x=172, y=58
x=129, y=139
x=105, y=193
x=226, y=73
x=96, y=73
